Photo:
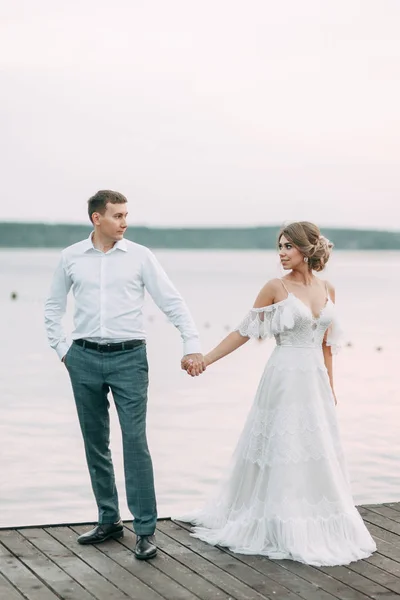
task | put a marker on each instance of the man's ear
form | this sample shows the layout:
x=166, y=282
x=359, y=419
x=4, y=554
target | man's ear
x=96, y=218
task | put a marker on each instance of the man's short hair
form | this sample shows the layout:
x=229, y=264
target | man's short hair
x=99, y=201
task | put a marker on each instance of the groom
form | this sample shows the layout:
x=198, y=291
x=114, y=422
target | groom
x=108, y=275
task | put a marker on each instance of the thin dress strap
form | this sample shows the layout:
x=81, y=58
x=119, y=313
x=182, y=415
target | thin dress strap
x=287, y=291
x=328, y=297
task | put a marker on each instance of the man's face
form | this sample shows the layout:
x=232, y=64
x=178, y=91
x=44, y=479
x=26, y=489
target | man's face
x=113, y=223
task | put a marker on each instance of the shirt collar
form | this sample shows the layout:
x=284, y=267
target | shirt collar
x=120, y=245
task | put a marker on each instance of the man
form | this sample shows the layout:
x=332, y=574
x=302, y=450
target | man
x=108, y=276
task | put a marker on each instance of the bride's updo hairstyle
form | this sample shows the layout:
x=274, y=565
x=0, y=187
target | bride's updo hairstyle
x=308, y=240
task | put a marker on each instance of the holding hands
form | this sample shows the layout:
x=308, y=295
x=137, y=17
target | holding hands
x=194, y=364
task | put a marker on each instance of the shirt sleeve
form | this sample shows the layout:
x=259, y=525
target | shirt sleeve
x=168, y=299
x=55, y=307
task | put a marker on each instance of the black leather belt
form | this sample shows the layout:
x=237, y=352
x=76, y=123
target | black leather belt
x=117, y=347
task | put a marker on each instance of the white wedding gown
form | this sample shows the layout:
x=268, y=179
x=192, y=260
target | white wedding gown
x=287, y=493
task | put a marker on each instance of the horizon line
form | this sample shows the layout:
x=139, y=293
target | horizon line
x=204, y=227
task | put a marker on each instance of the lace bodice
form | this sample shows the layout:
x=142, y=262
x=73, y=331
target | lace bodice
x=292, y=324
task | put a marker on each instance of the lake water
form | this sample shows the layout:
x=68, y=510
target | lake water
x=193, y=424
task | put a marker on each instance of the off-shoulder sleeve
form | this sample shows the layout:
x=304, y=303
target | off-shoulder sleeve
x=267, y=321
x=334, y=337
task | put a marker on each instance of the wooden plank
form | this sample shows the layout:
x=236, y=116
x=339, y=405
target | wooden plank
x=323, y=580
x=44, y=568
x=8, y=591
x=384, y=563
x=92, y=582
x=383, y=543
x=358, y=582
x=150, y=572
x=22, y=578
x=378, y=574
x=380, y=534
x=385, y=511
x=285, y=578
x=371, y=516
x=389, y=530
x=229, y=566
x=168, y=561
x=107, y=578
x=267, y=567
x=393, y=505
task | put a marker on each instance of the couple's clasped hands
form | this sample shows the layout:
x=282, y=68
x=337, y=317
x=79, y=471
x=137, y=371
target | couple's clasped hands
x=194, y=364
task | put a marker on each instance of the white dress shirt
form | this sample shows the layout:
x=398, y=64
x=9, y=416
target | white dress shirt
x=109, y=295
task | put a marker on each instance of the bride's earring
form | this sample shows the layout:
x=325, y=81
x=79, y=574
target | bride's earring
x=306, y=259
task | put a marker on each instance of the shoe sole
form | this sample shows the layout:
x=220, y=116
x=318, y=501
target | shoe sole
x=152, y=555
x=112, y=536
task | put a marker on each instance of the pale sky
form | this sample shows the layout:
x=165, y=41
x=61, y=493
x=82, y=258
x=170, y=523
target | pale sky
x=207, y=112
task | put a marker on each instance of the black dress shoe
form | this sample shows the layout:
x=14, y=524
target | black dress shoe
x=103, y=532
x=145, y=547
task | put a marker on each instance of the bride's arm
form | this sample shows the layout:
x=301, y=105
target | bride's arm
x=328, y=362
x=234, y=340
x=327, y=349
x=231, y=342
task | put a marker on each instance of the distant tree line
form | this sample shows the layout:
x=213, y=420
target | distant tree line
x=43, y=235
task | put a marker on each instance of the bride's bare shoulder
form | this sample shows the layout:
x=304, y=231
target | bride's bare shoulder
x=269, y=293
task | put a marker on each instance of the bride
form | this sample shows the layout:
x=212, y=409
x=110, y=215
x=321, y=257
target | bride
x=286, y=494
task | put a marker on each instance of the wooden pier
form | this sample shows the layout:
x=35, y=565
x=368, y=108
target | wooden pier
x=46, y=563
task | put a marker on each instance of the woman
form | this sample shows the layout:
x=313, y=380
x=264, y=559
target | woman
x=287, y=493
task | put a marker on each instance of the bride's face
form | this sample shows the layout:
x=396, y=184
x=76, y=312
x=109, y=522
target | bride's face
x=289, y=255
